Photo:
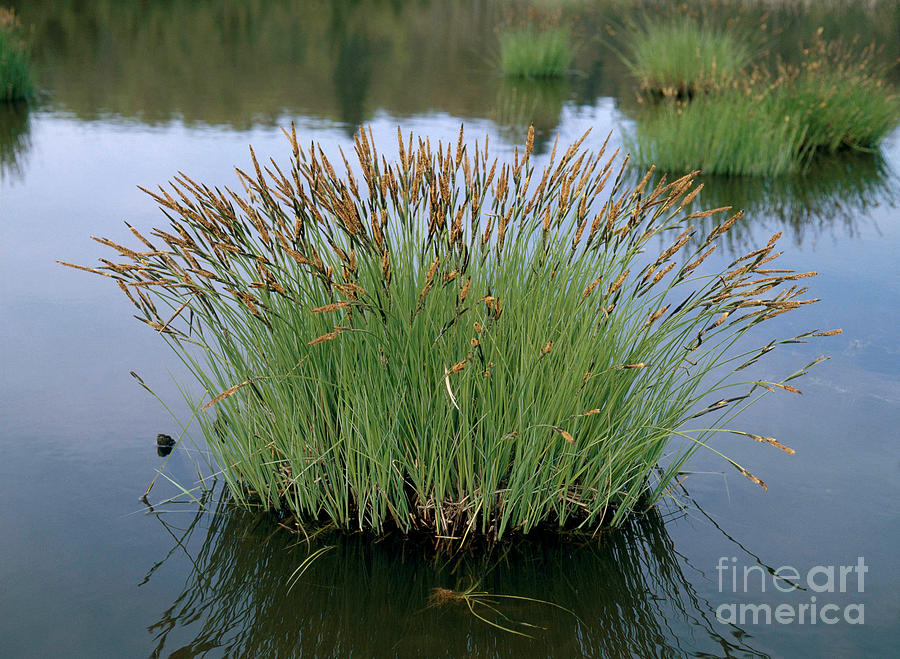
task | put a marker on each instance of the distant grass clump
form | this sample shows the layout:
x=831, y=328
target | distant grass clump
x=842, y=95
x=452, y=345
x=771, y=124
x=15, y=73
x=532, y=53
x=730, y=133
x=681, y=56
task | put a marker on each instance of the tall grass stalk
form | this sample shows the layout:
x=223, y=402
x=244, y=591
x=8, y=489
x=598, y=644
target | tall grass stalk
x=532, y=53
x=452, y=344
x=16, y=82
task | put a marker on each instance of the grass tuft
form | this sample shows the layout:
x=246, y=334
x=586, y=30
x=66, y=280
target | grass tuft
x=841, y=94
x=451, y=344
x=16, y=82
x=772, y=124
x=532, y=53
x=729, y=133
x=681, y=56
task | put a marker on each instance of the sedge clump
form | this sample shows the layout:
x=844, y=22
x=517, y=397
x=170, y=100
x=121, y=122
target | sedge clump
x=452, y=344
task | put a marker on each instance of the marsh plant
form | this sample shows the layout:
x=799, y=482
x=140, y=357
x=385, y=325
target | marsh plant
x=529, y=52
x=451, y=344
x=16, y=83
x=758, y=121
x=682, y=56
x=535, y=41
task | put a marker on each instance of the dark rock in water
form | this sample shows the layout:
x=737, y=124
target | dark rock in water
x=164, y=444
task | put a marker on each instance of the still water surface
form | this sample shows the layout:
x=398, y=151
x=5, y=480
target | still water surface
x=138, y=91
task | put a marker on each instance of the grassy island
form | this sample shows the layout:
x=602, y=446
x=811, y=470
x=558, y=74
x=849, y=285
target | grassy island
x=529, y=52
x=706, y=105
x=454, y=345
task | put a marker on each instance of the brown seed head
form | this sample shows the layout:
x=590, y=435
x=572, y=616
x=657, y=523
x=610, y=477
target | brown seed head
x=458, y=366
x=617, y=283
x=655, y=316
x=564, y=434
x=432, y=270
x=325, y=337
x=592, y=286
x=464, y=291
x=529, y=142
x=331, y=307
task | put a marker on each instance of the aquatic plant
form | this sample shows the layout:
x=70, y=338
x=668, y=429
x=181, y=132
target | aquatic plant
x=453, y=345
x=841, y=94
x=733, y=132
x=771, y=124
x=16, y=82
x=531, y=53
x=678, y=56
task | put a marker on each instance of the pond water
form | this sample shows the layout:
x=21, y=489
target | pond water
x=136, y=92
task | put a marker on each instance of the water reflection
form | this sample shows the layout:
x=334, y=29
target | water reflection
x=830, y=199
x=15, y=127
x=353, y=77
x=632, y=596
x=523, y=102
x=240, y=63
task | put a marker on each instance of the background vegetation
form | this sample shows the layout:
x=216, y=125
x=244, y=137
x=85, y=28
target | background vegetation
x=15, y=70
x=531, y=53
x=759, y=120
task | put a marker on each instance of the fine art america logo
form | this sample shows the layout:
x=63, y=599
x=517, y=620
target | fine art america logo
x=822, y=584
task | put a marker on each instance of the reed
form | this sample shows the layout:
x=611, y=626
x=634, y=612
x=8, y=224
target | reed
x=733, y=132
x=16, y=82
x=842, y=94
x=449, y=344
x=772, y=123
x=532, y=53
x=680, y=55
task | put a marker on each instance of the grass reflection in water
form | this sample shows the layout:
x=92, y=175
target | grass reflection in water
x=632, y=595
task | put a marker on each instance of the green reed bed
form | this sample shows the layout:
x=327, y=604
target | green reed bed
x=731, y=133
x=451, y=344
x=763, y=123
x=529, y=52
x=842, y=94
x=681, y=56
x=16, y=82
